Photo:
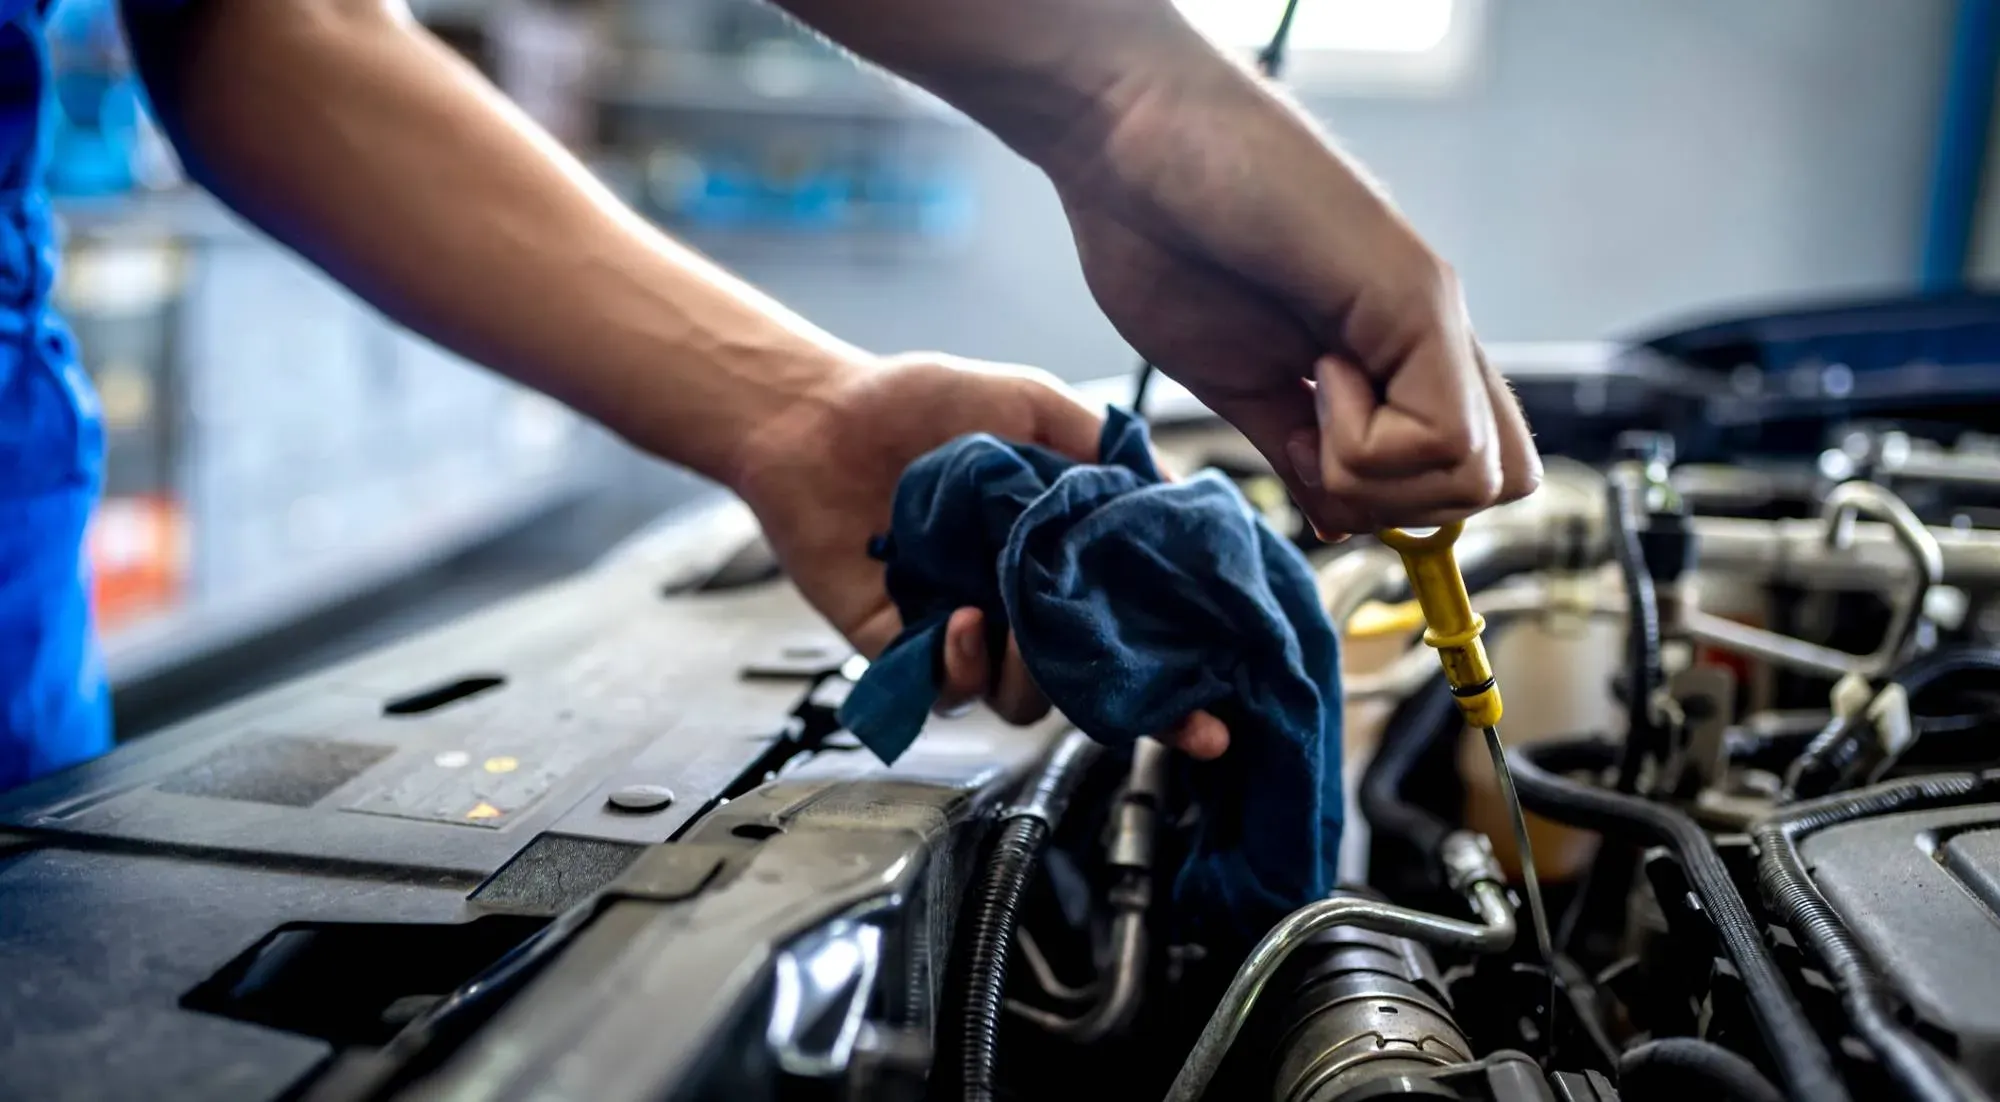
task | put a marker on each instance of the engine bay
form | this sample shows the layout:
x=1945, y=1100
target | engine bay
x=609, y=841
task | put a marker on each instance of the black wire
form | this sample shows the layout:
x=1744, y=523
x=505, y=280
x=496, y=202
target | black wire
x=1922, y=673
x=1139, y=387
x=1609, y=876
x=992, y=913
x=1643, y=669
x=1271, y=62
x=1800, y=1055
x=1272, y=59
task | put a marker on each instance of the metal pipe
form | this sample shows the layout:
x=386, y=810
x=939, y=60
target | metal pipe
x=1796, y=552
x=1834, y=552
x=1130, y=851
x=1493, y=933
x=1121, y=995
x=1354, y=578
x=1769, y=646
x=1850, y=499
x=1923, y=566
x=1045, y=975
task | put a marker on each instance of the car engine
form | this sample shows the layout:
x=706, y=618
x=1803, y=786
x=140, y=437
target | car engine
x=610, y=842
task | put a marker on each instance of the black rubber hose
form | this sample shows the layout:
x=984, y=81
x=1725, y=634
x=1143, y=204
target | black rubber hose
x=1674, y=1069
x=988, y=938
x=1016, y=854
x=1417, y=725
x=1797, y=1051
x=1922, y=673
x=1869, y=1000
x=1643, y=670
x=1609, y=878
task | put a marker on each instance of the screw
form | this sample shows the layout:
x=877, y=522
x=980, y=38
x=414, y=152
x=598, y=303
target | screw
x=641, y=798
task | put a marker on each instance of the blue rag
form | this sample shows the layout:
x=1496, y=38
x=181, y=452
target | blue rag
x=1134, y=602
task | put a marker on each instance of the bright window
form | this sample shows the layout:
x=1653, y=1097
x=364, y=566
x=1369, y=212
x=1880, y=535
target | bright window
x=1358, y=46
x=1372, y=26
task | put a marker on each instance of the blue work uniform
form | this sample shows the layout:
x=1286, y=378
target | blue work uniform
x=54, y=704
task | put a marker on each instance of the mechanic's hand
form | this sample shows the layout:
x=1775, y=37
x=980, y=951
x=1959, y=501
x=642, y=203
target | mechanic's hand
x=1233, y=246
x=822, y=478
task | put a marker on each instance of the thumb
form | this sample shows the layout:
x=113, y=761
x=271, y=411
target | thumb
x=1284, y=428
x=1064, y=422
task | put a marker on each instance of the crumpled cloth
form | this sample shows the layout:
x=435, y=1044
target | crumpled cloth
x=1134, y=602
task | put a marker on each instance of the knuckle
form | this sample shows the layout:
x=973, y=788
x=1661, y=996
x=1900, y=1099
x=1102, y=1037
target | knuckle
x=1479, y=487
x=1432, y=286
x=1520, y=483
x=1338, y=480
x=1452, y=444
x=1040, y=379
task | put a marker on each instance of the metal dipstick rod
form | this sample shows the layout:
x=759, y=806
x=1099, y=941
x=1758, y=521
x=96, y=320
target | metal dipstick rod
x=1453, y=630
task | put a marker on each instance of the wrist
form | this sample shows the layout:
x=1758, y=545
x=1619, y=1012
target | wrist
x=1115, y=89
x=798, y=400
x=1056, y=97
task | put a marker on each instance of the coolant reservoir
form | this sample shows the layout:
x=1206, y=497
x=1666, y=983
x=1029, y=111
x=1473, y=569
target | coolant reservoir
x=1555, y=675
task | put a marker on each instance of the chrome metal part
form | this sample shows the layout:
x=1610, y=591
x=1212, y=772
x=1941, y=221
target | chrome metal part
x=1797, y=552
x=1045, y=974
x=1842, y=507
x=1045, y=800
x=1121, y=983
x=1468, y=859
x=820, y=990
x=1119, y=997
x=1768, y=646
x=1355, y=578
x=1897, y=456
x=1923, y=567
x=1132, y=824
x=1371, y=1006
x=1493, y=933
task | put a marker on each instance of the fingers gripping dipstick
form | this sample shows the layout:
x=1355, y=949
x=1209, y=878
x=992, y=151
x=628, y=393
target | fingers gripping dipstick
x=1453, y=630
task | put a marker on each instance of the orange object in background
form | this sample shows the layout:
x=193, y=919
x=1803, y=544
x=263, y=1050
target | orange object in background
x=137, y=550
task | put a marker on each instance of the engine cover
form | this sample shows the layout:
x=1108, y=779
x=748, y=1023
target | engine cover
x=1921, y=893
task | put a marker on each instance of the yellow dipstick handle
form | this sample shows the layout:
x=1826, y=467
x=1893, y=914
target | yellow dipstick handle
x=1453, y=628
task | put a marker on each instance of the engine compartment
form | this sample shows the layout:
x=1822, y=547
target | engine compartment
x=610, y=842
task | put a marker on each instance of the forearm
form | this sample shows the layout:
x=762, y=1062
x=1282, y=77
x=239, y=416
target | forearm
x=359, y=140
x=1049, y=77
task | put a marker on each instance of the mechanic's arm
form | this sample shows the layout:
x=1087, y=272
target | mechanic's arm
x=354, y=136
x=351, y=134
x=1232, y=244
